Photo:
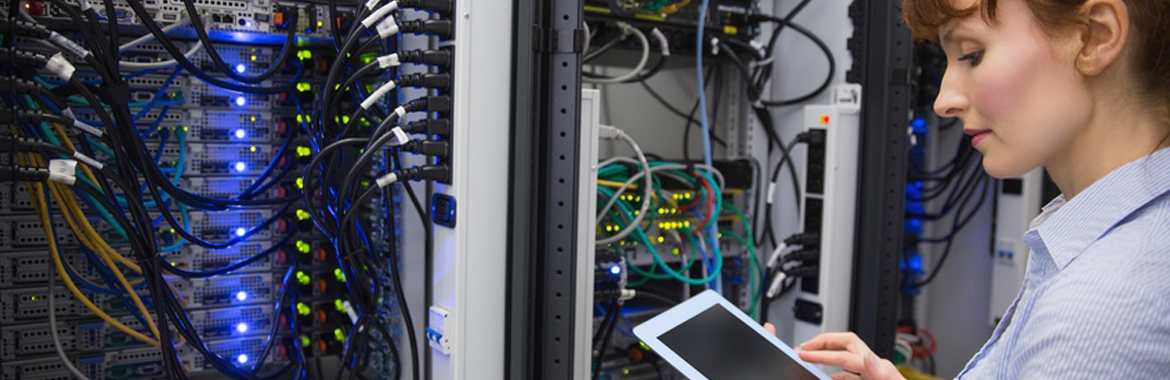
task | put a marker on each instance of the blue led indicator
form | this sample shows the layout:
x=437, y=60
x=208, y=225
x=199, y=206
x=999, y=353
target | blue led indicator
x=240, y=296
x=240, y=68
x=240, y=101
x=240, y=133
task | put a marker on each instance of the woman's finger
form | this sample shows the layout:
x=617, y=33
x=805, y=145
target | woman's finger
x=836, y=342
x=880, y=369
x=844, y=376
x=841, y=359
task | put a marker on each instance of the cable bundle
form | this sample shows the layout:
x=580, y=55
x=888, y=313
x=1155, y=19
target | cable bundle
x=72, y=134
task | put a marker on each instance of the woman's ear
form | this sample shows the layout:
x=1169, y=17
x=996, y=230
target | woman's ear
x=1106, y=31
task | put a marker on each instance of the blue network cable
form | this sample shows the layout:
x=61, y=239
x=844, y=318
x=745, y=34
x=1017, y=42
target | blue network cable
x=712, y=229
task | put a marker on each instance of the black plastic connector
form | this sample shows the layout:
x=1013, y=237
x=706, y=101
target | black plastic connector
x=433, y=127
x=440, y=6
x=438, y=81
x=804, y=271
x=25, y=29
x=443, y=29
x=440, y=149
x=18, y=174
x=440, y=173
x=438, y=58
x=805, y=255
x=811, y=137
x=22, y=58
x=441, y=104
x=804, y=239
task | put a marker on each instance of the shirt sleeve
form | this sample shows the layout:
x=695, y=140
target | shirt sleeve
x=1098, y=325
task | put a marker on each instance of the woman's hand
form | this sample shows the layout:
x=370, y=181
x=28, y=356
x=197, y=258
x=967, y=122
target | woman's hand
x=848, y=352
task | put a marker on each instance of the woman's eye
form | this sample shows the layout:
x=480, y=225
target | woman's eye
x=973, y=58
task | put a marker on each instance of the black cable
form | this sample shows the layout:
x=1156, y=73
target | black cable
x=950, y=242
x=222, y=67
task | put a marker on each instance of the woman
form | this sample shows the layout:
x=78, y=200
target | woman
x=1082, y=88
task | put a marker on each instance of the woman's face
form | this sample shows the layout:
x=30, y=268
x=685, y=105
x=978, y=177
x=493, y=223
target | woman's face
x=1015, y=88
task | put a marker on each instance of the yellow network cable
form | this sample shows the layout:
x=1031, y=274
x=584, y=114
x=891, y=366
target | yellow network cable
x=79, y=223
x=66, y=200
x=42, y=208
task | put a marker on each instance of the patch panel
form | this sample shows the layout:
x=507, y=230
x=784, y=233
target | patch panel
x=26, y=305
x=50, y=368
x=76, y=336
x=24, y=232
x=14, y=197
x=214, y=159
x=32, y=268
x=22, y=340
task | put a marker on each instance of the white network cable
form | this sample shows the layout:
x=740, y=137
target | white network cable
x=53, y=331
x=150, y=37
x=611, y=132
x=637, y=70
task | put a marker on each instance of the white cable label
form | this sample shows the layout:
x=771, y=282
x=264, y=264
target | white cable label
x=60, y=66
x=68, y=112
x=349, y=311
x=63, y=171
x=67, y=44
x=771, y=192
x=386, y=180
x=379, y=14
x=662, y=41
x=88, y=161
x=388, y=61
x=87, y=128
x=370, y=4
x=400, y=111
x=388, y=27
x=400, y=135
x=378, y=94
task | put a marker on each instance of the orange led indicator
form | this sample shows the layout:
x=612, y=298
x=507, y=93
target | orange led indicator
x=825, y=119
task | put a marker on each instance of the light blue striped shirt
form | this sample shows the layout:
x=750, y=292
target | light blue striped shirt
x=1095, y=303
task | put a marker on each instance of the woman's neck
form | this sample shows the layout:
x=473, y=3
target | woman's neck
x=1117, y=134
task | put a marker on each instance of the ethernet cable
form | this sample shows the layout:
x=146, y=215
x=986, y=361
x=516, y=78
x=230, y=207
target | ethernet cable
x=160, y=64
x=637, y=70
x=57, y=346
x=42, y=212
x=61, y=194
x=611, y=132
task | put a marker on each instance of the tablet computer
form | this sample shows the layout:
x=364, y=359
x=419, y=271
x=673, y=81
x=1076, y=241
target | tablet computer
x=706, y=337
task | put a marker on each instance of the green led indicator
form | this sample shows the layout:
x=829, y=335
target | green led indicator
x=303, y=247
x=303, y=309
x=339, y=274
x=302, y=278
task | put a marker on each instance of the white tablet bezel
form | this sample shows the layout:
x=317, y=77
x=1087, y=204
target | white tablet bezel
x=650, y=330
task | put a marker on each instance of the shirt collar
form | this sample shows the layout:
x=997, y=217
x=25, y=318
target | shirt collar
x=1086, y=218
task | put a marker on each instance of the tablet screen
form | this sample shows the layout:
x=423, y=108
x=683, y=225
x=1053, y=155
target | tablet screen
x=721, y=347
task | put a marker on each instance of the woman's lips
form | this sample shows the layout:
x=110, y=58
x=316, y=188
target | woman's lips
x=977, y=135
